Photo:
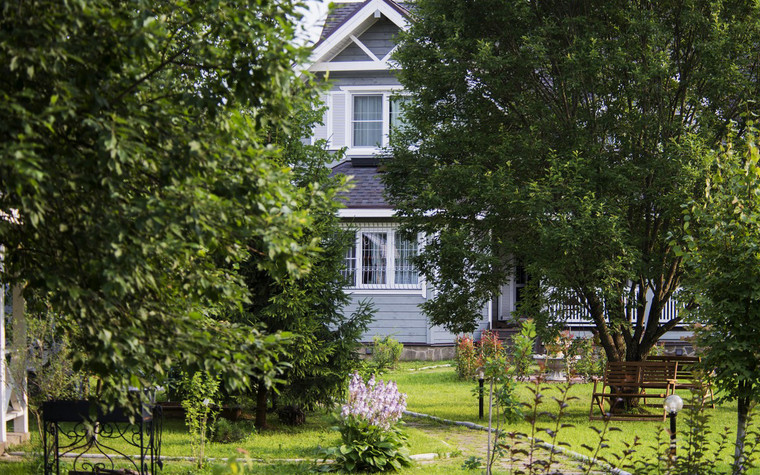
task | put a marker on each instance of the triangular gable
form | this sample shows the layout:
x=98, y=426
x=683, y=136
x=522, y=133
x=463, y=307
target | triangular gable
x=343, y=48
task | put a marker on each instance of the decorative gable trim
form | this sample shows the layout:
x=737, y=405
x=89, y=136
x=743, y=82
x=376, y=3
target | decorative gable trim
x=349, y=31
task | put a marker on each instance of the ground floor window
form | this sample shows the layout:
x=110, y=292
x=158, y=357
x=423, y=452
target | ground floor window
x=381, y=259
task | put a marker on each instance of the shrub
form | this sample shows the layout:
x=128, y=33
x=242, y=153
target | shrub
x=291, y=415
x=591, y=359
x=371, y=436
x=466, y=355
x=386, y=353
x=490, y=346
x=522, y=349
x=200, y=406
x=226, y=432
x=560, y=345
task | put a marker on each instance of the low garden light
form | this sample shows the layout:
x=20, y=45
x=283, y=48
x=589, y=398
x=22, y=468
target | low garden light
x=481, y=380
x=672, y=405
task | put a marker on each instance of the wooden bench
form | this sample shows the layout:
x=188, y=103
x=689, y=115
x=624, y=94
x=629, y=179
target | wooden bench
x=626, y=381
x=688, y=377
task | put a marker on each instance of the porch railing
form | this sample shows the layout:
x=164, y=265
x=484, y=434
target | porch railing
x=577, y=315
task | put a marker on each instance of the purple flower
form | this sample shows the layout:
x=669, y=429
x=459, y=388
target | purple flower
x=377, y=403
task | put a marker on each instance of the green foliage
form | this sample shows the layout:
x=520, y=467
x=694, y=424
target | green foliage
x=522, y=349
x=473, y=463
x=49, y=355
x=724, y=263
x=386, y=353
x=490, y=346
x=591, y=360
x=470, y=355
x=311, y=306
x=697, y=454
x=509, y=404
x=227, y=432
x=368, y=448
x=135, y=162
x=565, y=137
x=200, y=404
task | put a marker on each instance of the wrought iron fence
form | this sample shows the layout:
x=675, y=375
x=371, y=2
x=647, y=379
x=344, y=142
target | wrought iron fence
x=73, y=433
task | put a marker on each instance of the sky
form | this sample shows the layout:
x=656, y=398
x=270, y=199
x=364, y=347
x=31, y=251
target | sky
x=314, y=18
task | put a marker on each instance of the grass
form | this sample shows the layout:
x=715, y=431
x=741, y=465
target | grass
x=276, y=443
x=434, y=391
x=439, y=392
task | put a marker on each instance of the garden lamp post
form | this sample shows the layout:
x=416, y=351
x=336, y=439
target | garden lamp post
x=481, y=380
x=673, y=404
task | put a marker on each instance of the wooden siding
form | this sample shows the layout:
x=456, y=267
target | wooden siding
x=396, y=315
x=352, y=52
x=379, y=38
x=400, y=317
x=439, y=335
x=367, y=78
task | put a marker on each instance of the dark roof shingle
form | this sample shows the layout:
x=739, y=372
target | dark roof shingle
x=344, y=11
x=368, y=189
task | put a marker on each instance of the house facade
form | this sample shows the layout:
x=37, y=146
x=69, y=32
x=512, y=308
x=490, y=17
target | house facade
x=363, y=106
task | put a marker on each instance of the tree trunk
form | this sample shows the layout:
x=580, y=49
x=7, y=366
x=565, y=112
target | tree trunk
x=742, y=411
x=262, y=395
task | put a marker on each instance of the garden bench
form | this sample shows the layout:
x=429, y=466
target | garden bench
x=626, y=381
x=687, y=374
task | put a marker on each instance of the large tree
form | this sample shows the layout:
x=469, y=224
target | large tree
x=566, y=136
x=323, y=354
x=136, y=172
x=723, y=260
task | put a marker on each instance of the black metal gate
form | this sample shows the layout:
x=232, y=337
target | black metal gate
x=86, y=439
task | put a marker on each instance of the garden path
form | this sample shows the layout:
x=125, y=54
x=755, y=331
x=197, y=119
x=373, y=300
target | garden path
x=466, y=443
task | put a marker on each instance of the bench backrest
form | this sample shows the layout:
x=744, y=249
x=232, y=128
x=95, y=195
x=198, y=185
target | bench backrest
x=685, y=364
x=635, y=373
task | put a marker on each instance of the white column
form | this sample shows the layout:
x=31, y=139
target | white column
x=21, y=422
x=3, y=369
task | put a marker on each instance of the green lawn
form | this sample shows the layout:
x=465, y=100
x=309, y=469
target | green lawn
x=434, y=391
x=439, y=392
x=278, y=442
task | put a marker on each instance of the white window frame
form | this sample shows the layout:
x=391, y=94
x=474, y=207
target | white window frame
x=352, y=91
x=384, y=109
x=390, y=286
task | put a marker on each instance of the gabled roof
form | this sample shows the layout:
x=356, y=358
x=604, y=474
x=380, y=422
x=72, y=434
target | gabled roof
x=346, y=22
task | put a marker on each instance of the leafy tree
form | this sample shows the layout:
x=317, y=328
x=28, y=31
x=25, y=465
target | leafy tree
x=135, y=172
x=723, y=260
x=565, y=136
x=323, y=354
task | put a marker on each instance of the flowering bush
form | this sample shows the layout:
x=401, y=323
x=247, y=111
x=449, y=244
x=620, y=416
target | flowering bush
x=560, y=345
x=372, y=440
x=376, y=402
x=470, y=355
x=490, y=345
x=467, y=357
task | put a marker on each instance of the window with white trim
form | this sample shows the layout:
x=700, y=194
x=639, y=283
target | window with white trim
x=381, y=259
x=368, y=120
x=373, y=117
